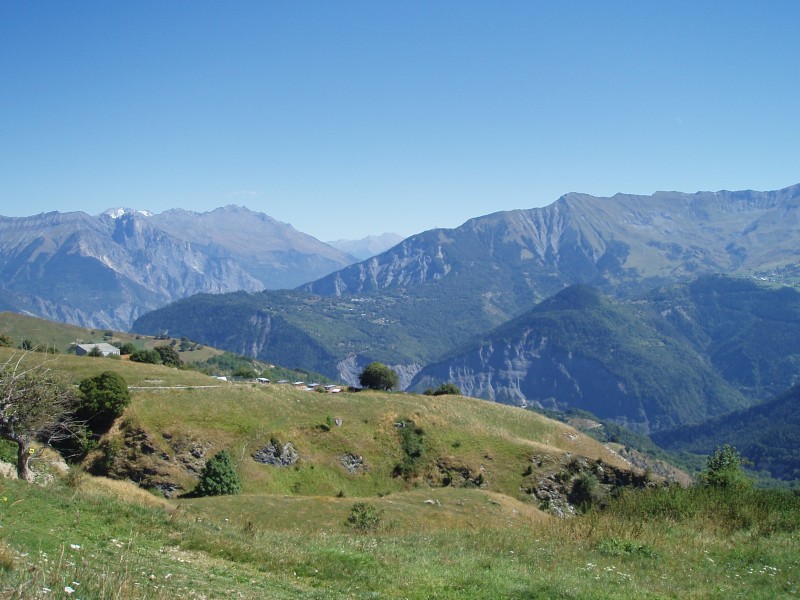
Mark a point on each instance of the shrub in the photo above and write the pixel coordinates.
(364, 517)
(724, 469)
(146, 356)
(447, 389)
(103, 399)
(127, 348)
(245, 372)
(587, 492)
(219, 477)
(413, 446)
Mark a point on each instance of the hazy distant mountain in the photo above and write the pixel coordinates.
(413, 304)
(369, 246)
(105, 271)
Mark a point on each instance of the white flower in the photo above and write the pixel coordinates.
(68, 589)
(75, 546)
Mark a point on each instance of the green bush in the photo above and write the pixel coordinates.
(724, 470)
(364, 517)
(447, 389)
(127, 348)
(146, 356)
(103, 399)
(587, 492)
(219, 477)
(169, 356)
(413, 446)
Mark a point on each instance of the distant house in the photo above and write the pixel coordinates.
(105, 349)
(262, 380)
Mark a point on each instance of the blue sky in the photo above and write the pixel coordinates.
(358, 117)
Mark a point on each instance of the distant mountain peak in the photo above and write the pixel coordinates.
(106, 270)
(369, 246)
(116, 213)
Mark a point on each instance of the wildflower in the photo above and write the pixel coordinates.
(75, 546)
(69, 589)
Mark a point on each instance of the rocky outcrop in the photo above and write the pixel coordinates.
(165, 464)
(277, 454)
(353, 463)
(576, 484)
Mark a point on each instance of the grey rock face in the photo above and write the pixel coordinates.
(277, 455)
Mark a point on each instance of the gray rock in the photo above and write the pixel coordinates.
(277, 455)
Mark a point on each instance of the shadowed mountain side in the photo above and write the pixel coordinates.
(580, 350)
(767, 435)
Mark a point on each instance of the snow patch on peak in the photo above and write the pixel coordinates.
(116, 213)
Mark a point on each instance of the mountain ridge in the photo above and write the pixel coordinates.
(105, 271)
(435, 291)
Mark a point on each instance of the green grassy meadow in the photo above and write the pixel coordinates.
(106, 540)
(287, 535)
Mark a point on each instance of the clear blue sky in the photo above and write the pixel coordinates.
(357, 117)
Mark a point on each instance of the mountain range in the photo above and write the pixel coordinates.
(658, 312)
(106, 270)
(651, 342)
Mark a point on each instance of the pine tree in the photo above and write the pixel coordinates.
(219, 477)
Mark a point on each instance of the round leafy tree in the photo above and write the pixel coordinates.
(218, 477)
(103, 398)
(378, 376)
(127, 348)
(169, 356)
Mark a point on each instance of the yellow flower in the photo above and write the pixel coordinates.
(32, 451)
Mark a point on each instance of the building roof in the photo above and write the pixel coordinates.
(102, 347)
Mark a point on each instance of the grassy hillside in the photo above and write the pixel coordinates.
(460, 522)
(461, 438)
(62, 336)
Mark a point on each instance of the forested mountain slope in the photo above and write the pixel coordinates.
(767, 435)
(581, 350)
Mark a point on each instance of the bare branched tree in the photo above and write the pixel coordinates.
(36, 404)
